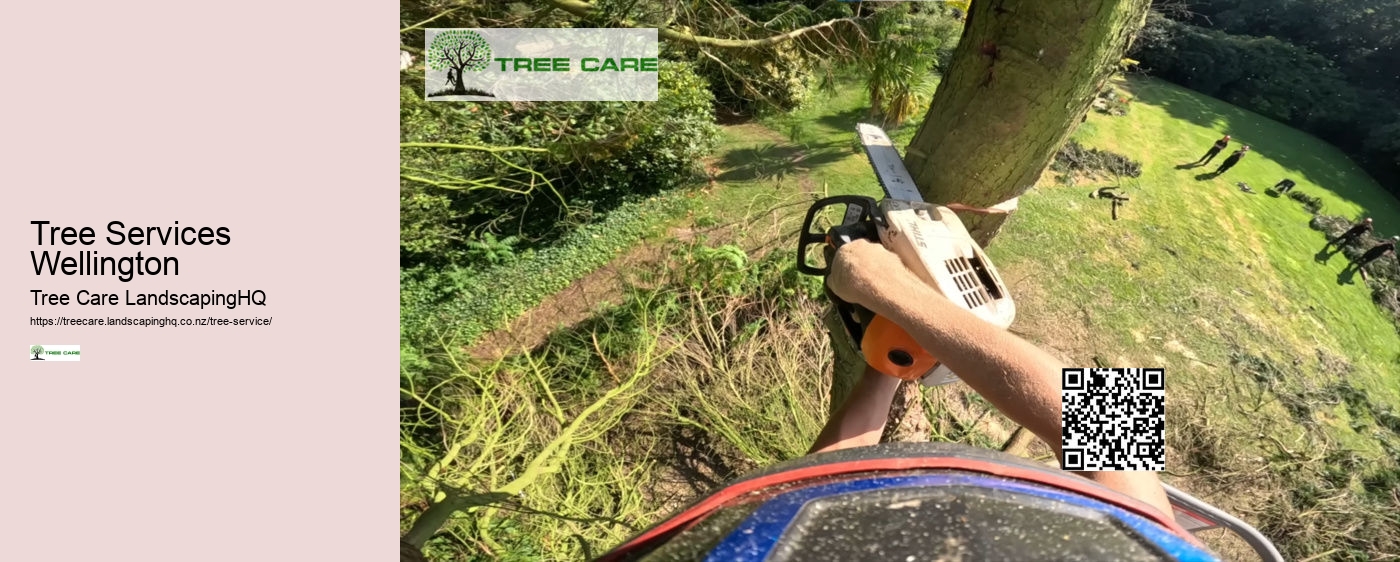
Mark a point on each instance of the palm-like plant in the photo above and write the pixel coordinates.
(903, 56)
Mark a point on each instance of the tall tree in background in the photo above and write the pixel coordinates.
(1021, 78)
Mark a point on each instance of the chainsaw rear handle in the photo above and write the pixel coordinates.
(886, 346)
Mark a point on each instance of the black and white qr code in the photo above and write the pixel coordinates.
(1113, 419)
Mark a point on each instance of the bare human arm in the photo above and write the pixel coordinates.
(1020, 379)
(861, 419)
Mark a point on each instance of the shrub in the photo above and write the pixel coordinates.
(461, 303)
(900, 68)
(756, 80)
(594, 155)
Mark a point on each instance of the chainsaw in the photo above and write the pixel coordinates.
(929, 239)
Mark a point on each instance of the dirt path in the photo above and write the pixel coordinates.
(756, 234)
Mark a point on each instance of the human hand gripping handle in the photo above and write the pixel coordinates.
(1020, 379)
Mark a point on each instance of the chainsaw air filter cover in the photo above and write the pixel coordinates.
(934, 244)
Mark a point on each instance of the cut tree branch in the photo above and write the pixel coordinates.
(584, 9)
(429, 20)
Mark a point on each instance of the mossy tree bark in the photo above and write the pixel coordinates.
(1021, 78)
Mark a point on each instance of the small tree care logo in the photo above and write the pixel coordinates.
(54, 353)
(458, 51)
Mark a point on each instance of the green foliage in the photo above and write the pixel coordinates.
(1264, 74)
(508, 450)
(754, 81)
(594, 154)
(461, 303)
(1280, 59)
(564, 451)
(488, 249)
(723, 268)
(899, 67)
(1358, 35)
(777, 78)
(1312, 204)
(460, 49)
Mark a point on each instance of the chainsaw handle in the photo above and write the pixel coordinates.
(886, 346)
(892, 351)
(860, 215)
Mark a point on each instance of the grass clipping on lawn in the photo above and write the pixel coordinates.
(559, 452)
(721, 365)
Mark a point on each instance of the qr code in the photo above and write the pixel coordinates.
(1113, 419)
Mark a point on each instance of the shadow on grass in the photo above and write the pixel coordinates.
(845, 120)
(694, 458)
(1303, 155)
(1348, 275)
(1323, 255)
(776, 161)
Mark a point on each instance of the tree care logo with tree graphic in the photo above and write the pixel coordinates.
(540, 64)
(54, 353)
(458, 51)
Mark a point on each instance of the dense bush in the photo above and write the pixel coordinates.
(752, 81)
(900, 68)
(1338, 94)
(585, 189)
(1267, 75)
(595, 155)
(747, 82)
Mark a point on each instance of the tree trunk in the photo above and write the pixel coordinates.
(1021, 78)
(459, 86)
(848, 365)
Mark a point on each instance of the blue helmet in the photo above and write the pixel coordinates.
(908, 502)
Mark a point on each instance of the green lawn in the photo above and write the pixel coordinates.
(1283, 380)
(1200, 262)
(1261, 340)
(1195, 274)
